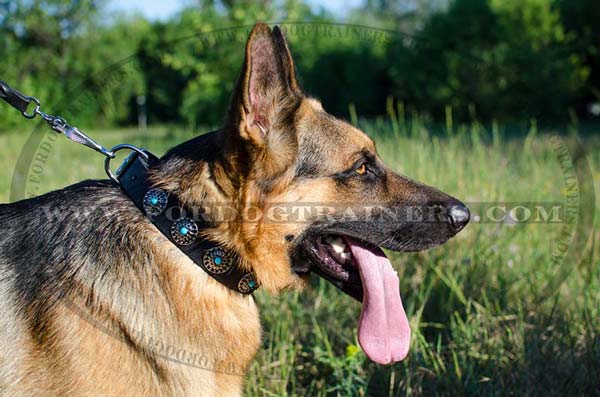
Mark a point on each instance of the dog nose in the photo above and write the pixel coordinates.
(459, 216)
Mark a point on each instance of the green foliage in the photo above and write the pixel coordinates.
(580, 19)
(58, 51)
(509, 60)
(192, 63)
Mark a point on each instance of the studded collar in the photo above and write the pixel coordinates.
(182, 226)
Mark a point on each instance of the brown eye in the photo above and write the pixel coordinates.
(361, 170)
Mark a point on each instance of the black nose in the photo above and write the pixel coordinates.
(459, 216)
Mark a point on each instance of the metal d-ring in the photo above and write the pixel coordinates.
(111, 156)
(35, 112)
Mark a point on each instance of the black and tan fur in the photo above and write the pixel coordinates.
(94, 301)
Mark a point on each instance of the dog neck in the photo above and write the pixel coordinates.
(214, 172)
(199, 172)
(183, 225)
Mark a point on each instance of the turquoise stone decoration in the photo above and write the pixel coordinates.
(248, 283)
(184, 231)
(155, 202)
(217, 261)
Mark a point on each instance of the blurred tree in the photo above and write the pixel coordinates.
(348, 74)
(35, 36)
(580, 19)
(62, 51)
(509, 59)
(192, 62)
(408, 16)
(504, 59)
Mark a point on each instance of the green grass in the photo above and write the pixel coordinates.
(480, 325)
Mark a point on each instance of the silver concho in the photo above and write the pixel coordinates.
(184, 231)
(217, 260)
(247, 284)
(155, 202)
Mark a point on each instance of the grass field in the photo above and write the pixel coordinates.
(482, 322)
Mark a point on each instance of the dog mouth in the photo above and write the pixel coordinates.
(333, 260)
(363, 271)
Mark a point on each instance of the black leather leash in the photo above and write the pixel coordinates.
(179, 224)
(16, 99)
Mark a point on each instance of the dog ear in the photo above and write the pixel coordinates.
(267, 88)
(288, 62)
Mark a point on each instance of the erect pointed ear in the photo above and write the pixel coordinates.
(267, 87)
(288, 62)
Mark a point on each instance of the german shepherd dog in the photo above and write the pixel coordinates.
(107, 305)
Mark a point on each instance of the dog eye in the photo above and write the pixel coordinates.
(362, 169)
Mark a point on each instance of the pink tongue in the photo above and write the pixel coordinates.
(383, 329)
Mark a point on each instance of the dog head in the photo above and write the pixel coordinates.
(321, 198)
(316, 179)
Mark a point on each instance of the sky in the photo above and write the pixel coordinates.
(162, 9)
(152, 9)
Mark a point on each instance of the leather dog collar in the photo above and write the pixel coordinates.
(181, 225)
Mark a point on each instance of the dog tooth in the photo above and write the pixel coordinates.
(338, 248)
(337, 243)
(346, 256)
